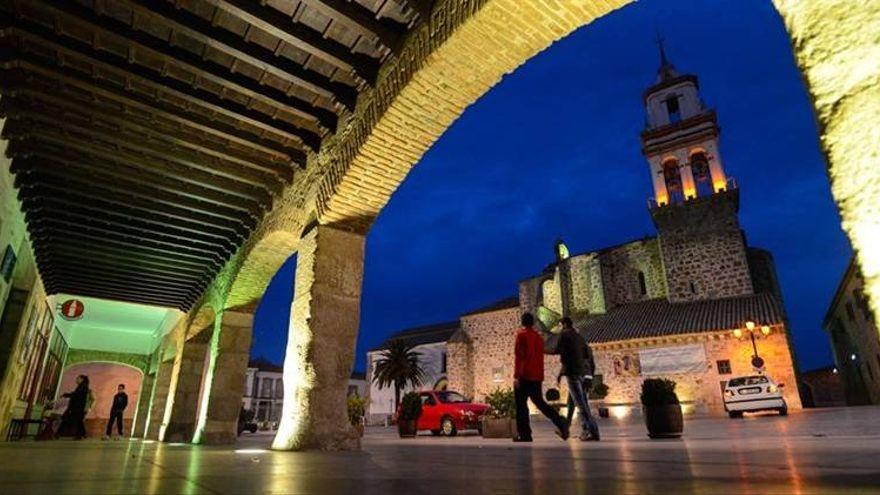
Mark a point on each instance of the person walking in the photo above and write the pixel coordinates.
(75, 414)
(120, 402)
(528, 376)
(578, 367)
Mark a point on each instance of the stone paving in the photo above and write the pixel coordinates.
(826, 451)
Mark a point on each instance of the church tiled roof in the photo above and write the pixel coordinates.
(506, 303)
(429, 334)
(659, 317)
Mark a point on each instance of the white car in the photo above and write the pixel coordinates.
(753, 393)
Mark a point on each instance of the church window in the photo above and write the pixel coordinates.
(723, 367)
(673, 109)
(850, 313)
(672, 178)
(702, 176)
(443, 363)
(693, 288)
(643, 288)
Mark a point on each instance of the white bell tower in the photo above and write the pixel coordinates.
(680, 139)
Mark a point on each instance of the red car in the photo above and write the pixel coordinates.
(446, 413)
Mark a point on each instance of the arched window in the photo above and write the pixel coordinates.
(701, 173)
(643, 287)
(672, 179)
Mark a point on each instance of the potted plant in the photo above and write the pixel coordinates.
(408, 415)
(598, 392)
(499, 420)
(661, 408)
(356, 410)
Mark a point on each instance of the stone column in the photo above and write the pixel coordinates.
(224, 384)
(320, 347)
(181, 412)
(160, 398)
(139, 425)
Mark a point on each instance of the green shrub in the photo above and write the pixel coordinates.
(658, 392)
(356, 409)
(410, 407)
(501, 403)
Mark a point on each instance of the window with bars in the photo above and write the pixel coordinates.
(36, 345)
(723, 367)
(52, 369)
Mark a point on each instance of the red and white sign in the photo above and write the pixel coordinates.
(72, 309)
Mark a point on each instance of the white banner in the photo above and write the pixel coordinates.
(672, 360)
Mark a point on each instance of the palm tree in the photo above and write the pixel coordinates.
(398, 366)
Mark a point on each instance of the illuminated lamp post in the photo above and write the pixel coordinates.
(752, 329)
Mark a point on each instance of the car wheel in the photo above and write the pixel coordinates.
(783, 411)
(436, 433)
(447, 426)
(253, 429)
(735, 414)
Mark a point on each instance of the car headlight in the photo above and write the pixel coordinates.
(728, 393)
(772, 389)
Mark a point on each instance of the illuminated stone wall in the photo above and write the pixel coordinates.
(620, 267)
(703, 390)
(460, 363)
(492, 336)
(704, 252)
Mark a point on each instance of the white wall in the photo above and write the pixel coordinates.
(382, 400)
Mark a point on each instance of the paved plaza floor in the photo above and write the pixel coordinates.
(828, 451)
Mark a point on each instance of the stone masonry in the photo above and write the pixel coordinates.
(703, 248)
(182, 410)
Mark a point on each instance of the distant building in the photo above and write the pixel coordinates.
(855, 341)
(430, 342)
(264, 391)
(357, 384)
(823, 387)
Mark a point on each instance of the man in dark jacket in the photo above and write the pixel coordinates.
(120, 402)
(577, 368)
(528, 375)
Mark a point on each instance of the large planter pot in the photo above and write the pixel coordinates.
(498, 428)
(406, 428)
(663, 421)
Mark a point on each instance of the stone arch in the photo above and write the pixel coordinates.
(201, 320)
(258, 268)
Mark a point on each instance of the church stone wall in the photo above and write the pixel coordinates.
(701, 392)
(459, 364)
(492, 337)
(620, 272)
(586, 284)
(703, 249)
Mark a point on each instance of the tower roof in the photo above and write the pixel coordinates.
(666, 71)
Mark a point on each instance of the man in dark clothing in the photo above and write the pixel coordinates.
(578, 367)
(528, 376)
(120, 402)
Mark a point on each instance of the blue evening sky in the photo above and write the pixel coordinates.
(553, 150)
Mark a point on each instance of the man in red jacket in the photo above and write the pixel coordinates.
(528, 375)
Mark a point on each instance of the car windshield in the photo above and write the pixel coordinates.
(451, 397)
(746, 380)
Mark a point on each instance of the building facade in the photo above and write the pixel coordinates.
(431, 344)
(855, 340)
(679, 305)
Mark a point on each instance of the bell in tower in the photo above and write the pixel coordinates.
(680, 139)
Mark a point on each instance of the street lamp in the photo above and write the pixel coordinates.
(752, 328)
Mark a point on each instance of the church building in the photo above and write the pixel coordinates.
(683, 304)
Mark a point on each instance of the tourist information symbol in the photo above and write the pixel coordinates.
(72, 309)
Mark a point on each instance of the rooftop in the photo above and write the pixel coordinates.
(428, 334)
(506, 303)
(660, 318)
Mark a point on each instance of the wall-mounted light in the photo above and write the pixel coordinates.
(765, 329)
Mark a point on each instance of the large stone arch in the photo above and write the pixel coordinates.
(467, 46)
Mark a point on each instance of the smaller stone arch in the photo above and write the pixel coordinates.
(201, 320)
(104, 377)
(260, 265)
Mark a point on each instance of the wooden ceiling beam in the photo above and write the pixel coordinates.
(359, 19)
(204, 68)
(107, 290)
(73, 212)
(299, 35)
(191, 224)
(68, 46)
(97, 198)
(75, 252)
(90, 272)
(102, 183)
(202, 30)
